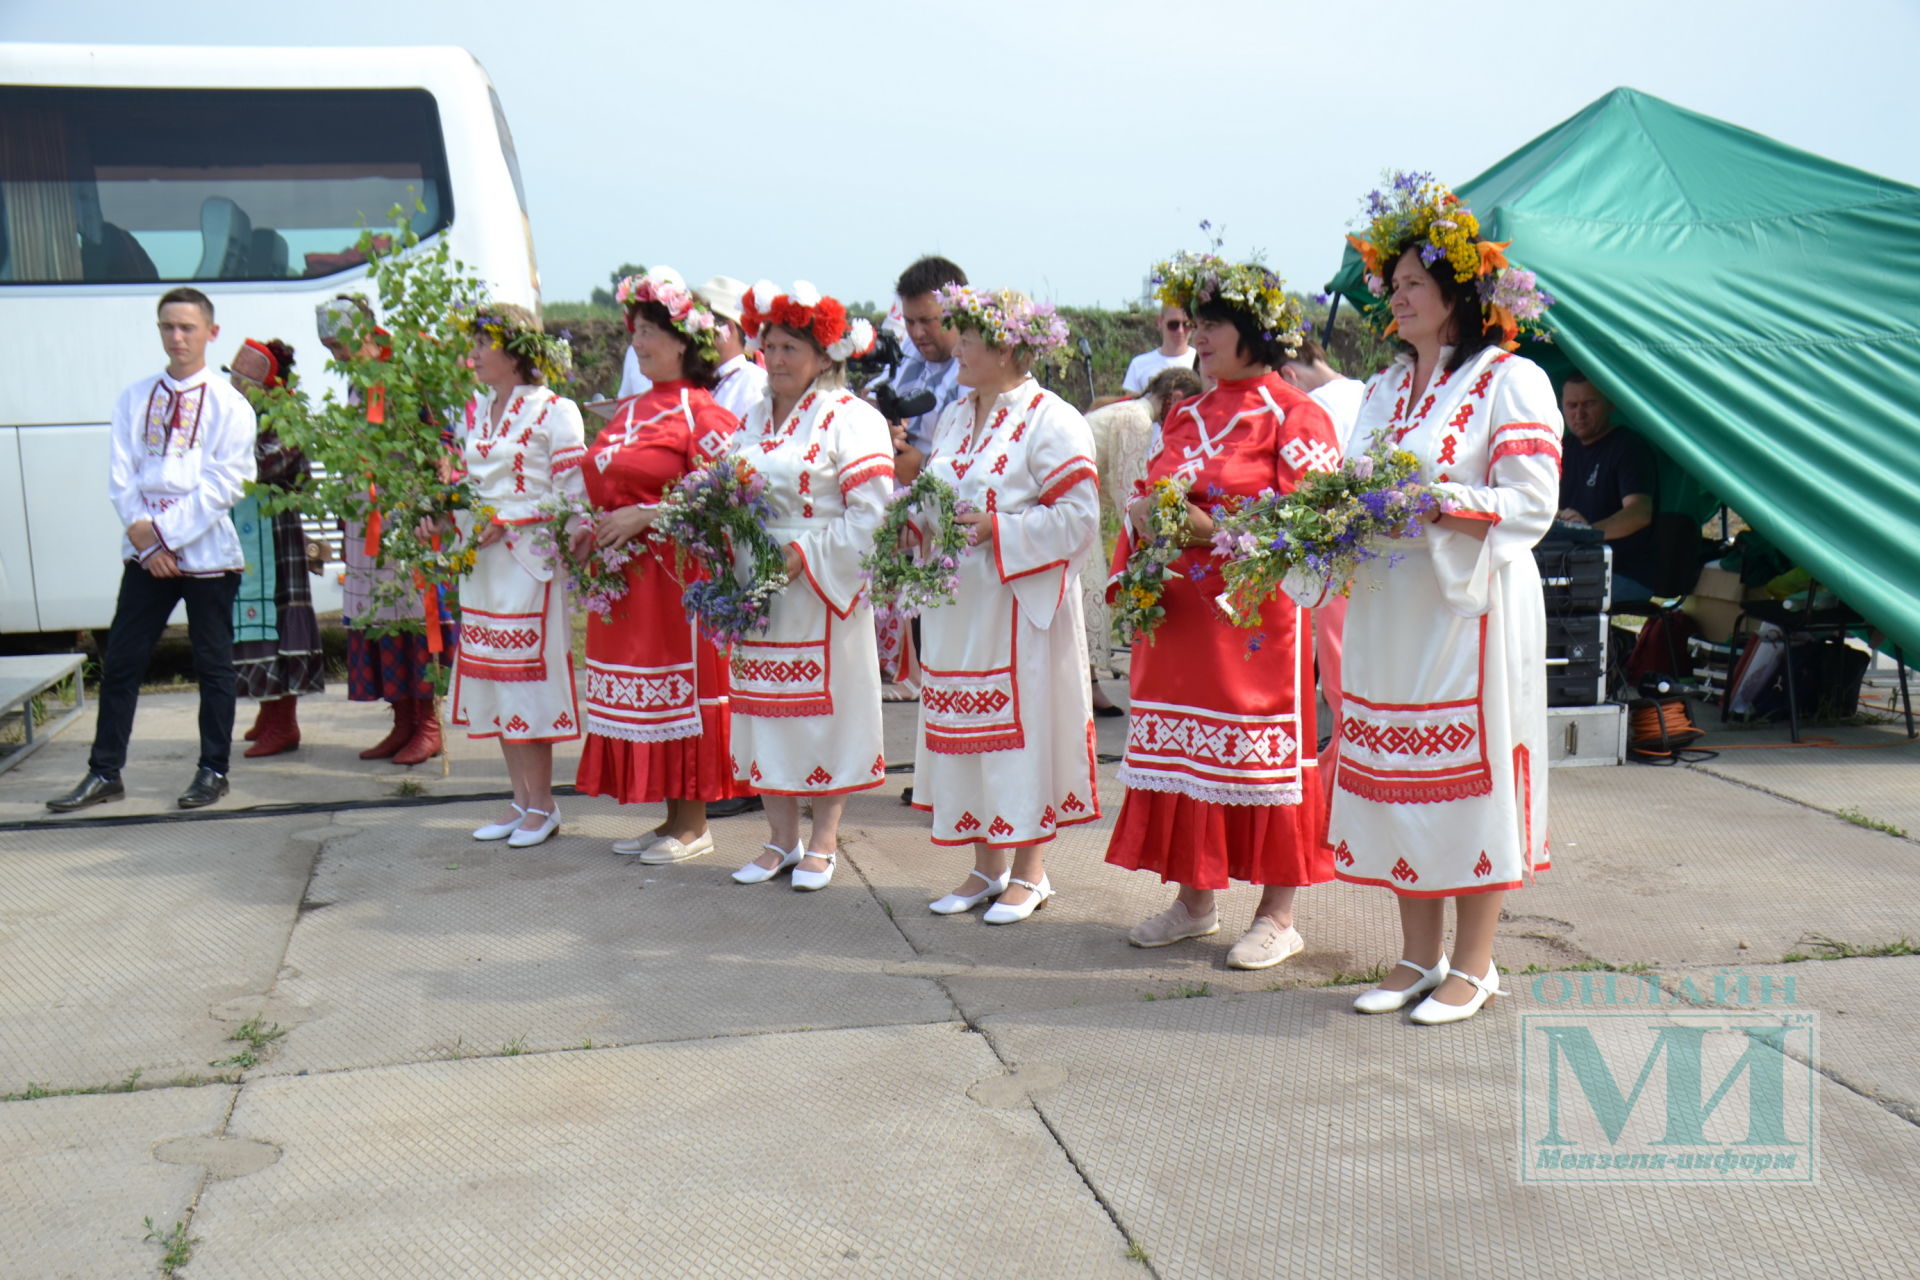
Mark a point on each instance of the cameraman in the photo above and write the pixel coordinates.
(930, 367)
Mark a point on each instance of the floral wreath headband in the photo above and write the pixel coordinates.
(1005, 318)
(691, 318)
(1413, 210)
(805, 309)
(547, 352)
(1190, 280)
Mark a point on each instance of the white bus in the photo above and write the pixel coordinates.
(246, 173)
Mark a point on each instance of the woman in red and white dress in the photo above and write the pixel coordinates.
(1005, 757)
(805, 694)
(1221, 768)
(513, 673)
(1440, 789)
(656, 687)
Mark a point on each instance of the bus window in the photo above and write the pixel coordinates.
(165, 185)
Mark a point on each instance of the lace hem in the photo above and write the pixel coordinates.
(1211, 793)
(744, 705)
(629, 733)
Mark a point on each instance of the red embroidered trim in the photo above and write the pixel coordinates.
(949, 746)
(1529, 445)
(504, 672)
(1083, 474)
(745, 704)
(1411, 793)
(866, 471)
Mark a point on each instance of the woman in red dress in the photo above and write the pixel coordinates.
(1220, 769)
(656, 688)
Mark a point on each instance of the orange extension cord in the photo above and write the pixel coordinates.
(1660, 730)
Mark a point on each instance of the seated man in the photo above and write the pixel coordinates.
(1608, 481)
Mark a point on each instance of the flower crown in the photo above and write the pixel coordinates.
(547, 352)
(1190, 280)
(1004, 318)
(1413, 210)
(690, 317)
(805, 309)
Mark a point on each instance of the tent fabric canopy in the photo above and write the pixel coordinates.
(1752, 310)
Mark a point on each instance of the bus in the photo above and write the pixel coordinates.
(247, 173)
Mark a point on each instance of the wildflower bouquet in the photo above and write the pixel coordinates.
(596, 580)
(899, 579)
(1310, 542)
(708, 514)
(1136, 607)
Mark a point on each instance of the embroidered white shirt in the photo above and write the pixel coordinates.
(181, 456)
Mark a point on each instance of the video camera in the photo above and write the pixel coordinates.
(885, 359)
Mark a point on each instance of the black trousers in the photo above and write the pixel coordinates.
(139, 617)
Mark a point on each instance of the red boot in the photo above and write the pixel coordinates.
(280, 730)
(398, 736)
(426, 743)
(259, 723)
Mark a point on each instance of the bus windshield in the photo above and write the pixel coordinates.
(116, 186)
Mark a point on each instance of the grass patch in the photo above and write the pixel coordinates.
(1591, 966)
(258, 1036)
(1182, 991)
(1825, 948)
(1137, 1252)
(514, 1047)
(1860, 819)
(34, 1092)
(408, 788)
(1341, 978)
(176, 1246)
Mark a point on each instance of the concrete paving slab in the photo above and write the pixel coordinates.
(419, 942)
(1873, 770)
(1866, 1037)
(1674, 867)
(131, 948)
(1281, 1134)
(78, 1176)
(846, 1153)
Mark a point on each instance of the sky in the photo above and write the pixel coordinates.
(1055, 146)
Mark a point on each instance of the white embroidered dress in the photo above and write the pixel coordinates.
(1441, 786)
(806, 692)
(513, 672)
(1005, 754)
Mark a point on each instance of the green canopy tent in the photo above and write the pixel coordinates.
(1753, 310)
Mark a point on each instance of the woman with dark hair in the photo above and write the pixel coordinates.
(513, 674)
(657, 723)
(276, 637)
(1441, 783)
(805, 694)
(1221, 774)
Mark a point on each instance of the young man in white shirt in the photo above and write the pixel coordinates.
(1174, 325)
(182, 453)
(742, 382)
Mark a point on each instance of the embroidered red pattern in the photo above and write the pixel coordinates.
(774, 671)
(1000, 465)
(517, 725)
(1409, 740)
(879, 764)
(1046, 817)
(1484, 867)
(754, 772)
(1447, 447)
(563, 721)
(500, 637)
(967, 823)
(1404, 873)
(819, 777)
(964, 702)
(1001, 827)
(1073, 804)
(1343, 855)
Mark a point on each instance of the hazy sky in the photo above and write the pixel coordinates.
(1058, 146)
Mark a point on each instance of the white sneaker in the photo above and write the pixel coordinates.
(667, 849)
(500, 830)
(1264, 945)
(639, 844)
(955, 903)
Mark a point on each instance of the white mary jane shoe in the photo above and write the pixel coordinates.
(1037, 895)
(955, 903)
(1381, 1000)
(500, 830)
(807, 881)
(527, 839)
(1431, 1013)
(668, 850)
(754, 873)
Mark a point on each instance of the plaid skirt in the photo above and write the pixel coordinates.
(292, 664)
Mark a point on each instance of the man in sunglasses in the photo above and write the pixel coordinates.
(1174, 325)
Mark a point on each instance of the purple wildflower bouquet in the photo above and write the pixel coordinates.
(1137, 610)
(1309, 543)
(914, 581)
(597, 580)
(706, 515)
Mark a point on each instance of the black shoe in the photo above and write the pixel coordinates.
(206, 787)
(93, 789)
(1111, 709)
(734, 808)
